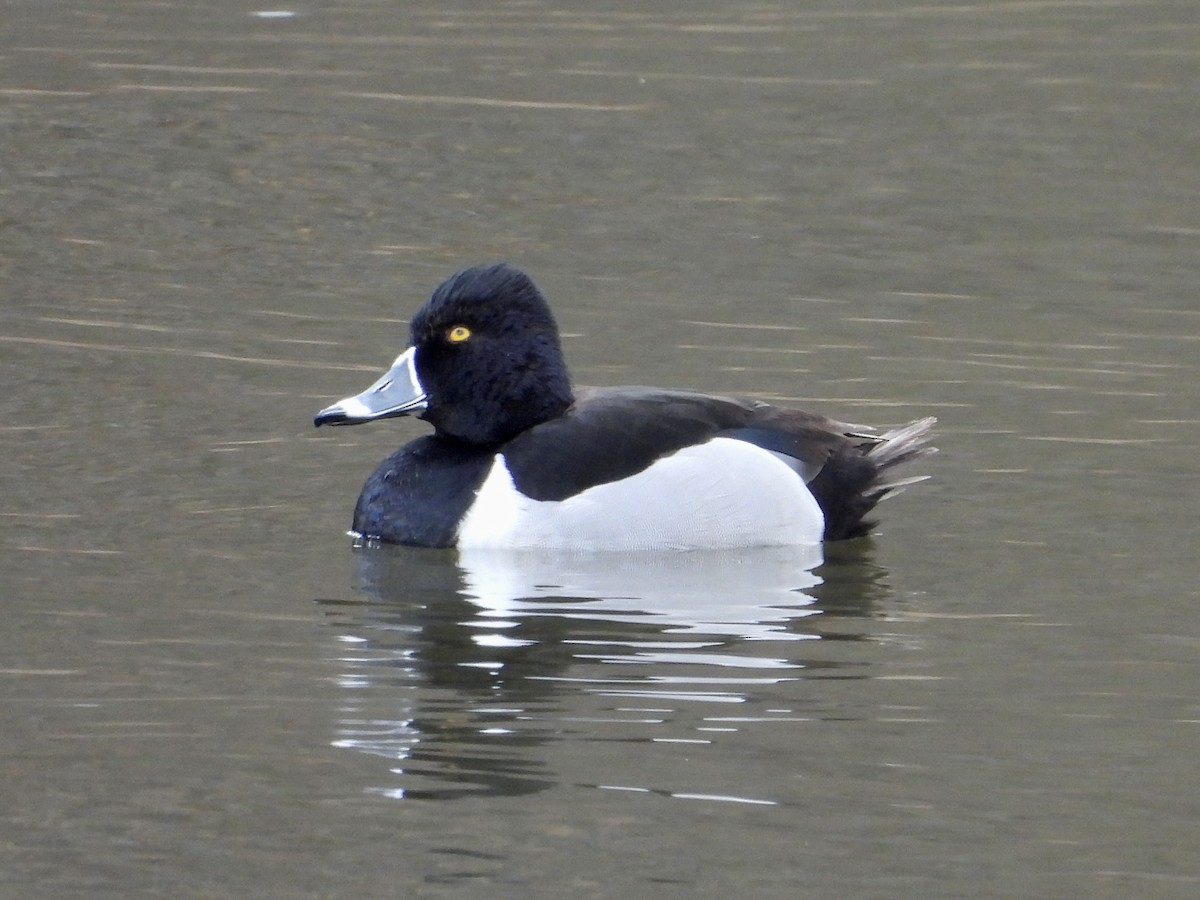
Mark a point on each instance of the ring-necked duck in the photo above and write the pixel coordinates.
(520, 460)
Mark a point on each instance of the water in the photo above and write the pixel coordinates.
(215, 222)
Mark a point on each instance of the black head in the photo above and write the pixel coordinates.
(488, 356)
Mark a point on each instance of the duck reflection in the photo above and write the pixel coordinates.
(458, 665)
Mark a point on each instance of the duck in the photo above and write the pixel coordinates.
(521, 460)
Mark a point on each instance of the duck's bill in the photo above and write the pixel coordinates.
(397, 393)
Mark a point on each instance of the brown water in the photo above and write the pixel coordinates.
(214, 222)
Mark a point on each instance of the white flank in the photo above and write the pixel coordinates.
(721, 494)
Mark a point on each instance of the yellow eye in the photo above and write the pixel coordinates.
(458, 334)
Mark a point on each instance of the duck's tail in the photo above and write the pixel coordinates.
(895, 448)
(863, 472)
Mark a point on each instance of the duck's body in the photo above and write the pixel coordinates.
(518, 461)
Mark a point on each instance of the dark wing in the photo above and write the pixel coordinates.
(613, 433)
(805, 441)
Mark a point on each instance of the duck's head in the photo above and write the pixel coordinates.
(483, 362)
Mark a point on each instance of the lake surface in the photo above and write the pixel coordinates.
(217, 219)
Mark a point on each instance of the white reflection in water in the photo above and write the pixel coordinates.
(463, 666)
(750, 594)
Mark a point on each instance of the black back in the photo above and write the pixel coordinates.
(614, 433)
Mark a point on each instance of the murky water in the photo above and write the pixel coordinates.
(214, 222)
